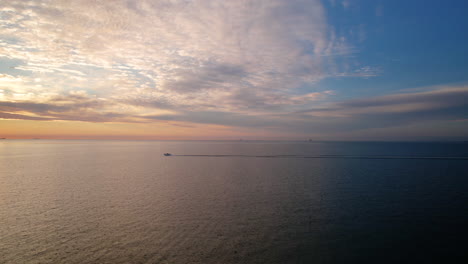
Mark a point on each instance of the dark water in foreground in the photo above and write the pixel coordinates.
(261, 202)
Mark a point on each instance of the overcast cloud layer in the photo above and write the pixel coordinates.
(235, 63)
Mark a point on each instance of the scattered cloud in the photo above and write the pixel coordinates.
(441, 103)
(202, 54)
(246, 63)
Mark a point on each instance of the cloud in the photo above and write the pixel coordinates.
(395, 111)
(246, 63)
(22, 117)
(206, 54)
(440, 103)
(77, 105)
(355, 118)
(213, 76)
(435, 99)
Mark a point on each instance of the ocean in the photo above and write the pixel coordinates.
(92, 201)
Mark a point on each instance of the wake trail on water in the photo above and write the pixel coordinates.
(330, 157)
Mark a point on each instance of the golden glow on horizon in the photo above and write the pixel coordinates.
(24, 129)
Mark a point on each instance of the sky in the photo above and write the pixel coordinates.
(245, 69)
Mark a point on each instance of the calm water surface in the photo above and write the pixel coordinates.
(261, 202)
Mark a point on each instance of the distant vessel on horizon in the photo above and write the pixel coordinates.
(167, 154)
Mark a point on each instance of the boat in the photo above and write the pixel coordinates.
(167, 154)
